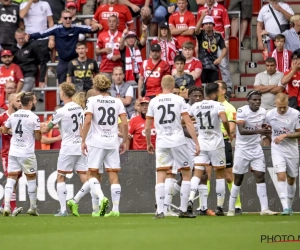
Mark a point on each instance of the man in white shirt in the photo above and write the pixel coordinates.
(24, 126)
(101, 116)
(250, 122)
(285, 124)
(171, 151)
(37, 16)
(70, 158)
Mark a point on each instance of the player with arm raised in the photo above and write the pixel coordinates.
(250, 122)
(285, 123)
(101, 116)
(167, 109)
(208, 114)
(70, 158)
(25, 129)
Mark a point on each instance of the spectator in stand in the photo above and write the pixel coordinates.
(108, 47)
(112, 8)
(66, 38)
(57, 6)
(183, 80)
(192, 66)
(52, 139)
(291, 81)
(10, 71)
(88, 8)
(136, 128)
(267, 83)
(222, 25)
(169, 45)
(182, 24)
(245, 7)
(282, 56)
(266, 19)
(10, 21)
(72, 7)
(10, 88)
(122, 90)
(292, 40)
(151, 73)
(26, 55)
(130, 50)
(37, 15)
(164, 10)
(82, 69)
(137, 108)
(208, 43)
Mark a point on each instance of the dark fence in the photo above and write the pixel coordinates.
(137, 179)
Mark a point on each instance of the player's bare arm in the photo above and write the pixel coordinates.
(85, 131)
(45, 128)
(226, 125)
(37, 135)
(124, 126)
(280, 138)
(286, 78)
(191, 129)
(5, 130)
(243, 131)
(199, 23)
(148, 124)
(140, 84)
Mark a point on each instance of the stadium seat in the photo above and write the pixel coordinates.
(50, 100)
(256, 7)
(234, 53)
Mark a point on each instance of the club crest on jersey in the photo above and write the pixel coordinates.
(288, 121)
(181, 19)
(111, 8)
(215, 12)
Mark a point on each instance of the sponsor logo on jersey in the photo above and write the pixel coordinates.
(106, 15)
(3, 80)
(295, 83)
(181, 26)
(112, 45)
(153, 132)
(8, 18)
(154, 74)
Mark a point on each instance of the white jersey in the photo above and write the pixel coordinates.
(89, 135)
(253, 121)
(105, 110)
(166, 109)
(22, 123)
(68, 119)
(284, 124)
(207, 114)
(190, 141)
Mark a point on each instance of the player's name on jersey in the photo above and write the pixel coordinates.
(253, 128)
(165, 100)
(75, 108)
(106, 101)
(206, 106)
(280, 132)
(21, 115)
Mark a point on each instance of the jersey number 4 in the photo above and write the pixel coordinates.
(207, 115)
(110, 119)
(166, 111)
(19, 128)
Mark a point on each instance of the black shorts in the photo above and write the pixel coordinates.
(228, 154)
(209, 75)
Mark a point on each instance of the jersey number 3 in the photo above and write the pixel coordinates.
(75, 121)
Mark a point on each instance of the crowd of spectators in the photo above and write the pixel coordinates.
(192, 48)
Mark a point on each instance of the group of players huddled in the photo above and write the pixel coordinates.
(192, 137)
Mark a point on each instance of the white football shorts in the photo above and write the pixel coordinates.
(18, 164)
(70, 163)
(215, 158)
(285, 164)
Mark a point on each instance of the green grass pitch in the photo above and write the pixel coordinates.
(131, 232)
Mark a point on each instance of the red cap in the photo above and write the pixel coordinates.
(145, 99)
(71, 4)
(6, 53)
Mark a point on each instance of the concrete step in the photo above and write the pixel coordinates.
(247, 79)
(254, 20)
(254, 43)
(260, 67)
(295, 5)
(238, 102)
(256, 55)
(236, 79)
(243, 93)
(233, 67)
(247, 43)
(245, 55)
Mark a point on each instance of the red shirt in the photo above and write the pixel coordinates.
(192, 66)
(5, 138)
(186, 20)
(138, 2)
(220, 15)
(137, 131)
(107, 65)
(57, 144)
(153, 85)
(280, 62)
(103, 12)
(293, 85)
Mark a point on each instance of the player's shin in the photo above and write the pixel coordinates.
(96, 188)
(32, 192)
(220, 190)
(235, 191)
(62, 195)
(194, 186)
(291, 191)
(176, 189)
(82, 192)
(13, 202)
(160, 196)
(282, 190)
(262, 195)
(184, 195)
(95, 202)
(203, 194)
(115, 196)
(9, 188)
(169, 190)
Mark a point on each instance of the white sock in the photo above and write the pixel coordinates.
(176, 189)
(82, 192)
(282, 192)
(9, 189)
(160, 196)
(184, 194)
(203, 193)
(95, 202)
(262, 195)
(115, 190)
(291, 191)
(235, 190)
(96, 188)
(169, 186)
(32, 192)
(194, 186)
(62, 195)
(13, 197)
(220, 190)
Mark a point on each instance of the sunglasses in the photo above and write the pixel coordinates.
(68, 18)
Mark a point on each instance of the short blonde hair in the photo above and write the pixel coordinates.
(68, 89)
(281, 97)
(79, 98)
(295, 18)
(101, 83)
(168, 82)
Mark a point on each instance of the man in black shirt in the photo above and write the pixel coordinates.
(208, 43)
(82, 69)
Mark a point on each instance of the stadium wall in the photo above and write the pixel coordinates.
(137, 179)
